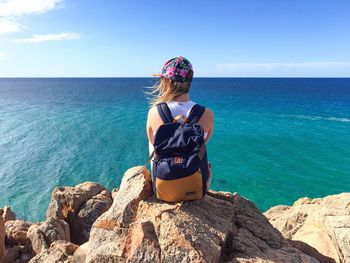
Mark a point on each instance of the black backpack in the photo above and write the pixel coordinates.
(180, 165)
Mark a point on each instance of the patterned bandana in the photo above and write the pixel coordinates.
(177, 69)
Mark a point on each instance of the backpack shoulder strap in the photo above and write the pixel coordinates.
(164, 112)
(195, 114)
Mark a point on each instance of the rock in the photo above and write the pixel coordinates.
(80, 254)
(59, 252)
(2, 235)
(87, 215)
(16, 242)
(17, 254)
(43, 235)
(221, 227)
(12, 254)
(114, 192)
(67, 200)
(16, 232)
(8, 214)
(79, 206)
(320, 227)
(25, 257)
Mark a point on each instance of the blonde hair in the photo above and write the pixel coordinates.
(167, 90)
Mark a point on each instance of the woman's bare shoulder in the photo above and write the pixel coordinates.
(208, 114)
(153, 117)
(152, 111)
(207, 119)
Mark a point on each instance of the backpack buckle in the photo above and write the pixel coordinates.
(178, 159)
(178, 117)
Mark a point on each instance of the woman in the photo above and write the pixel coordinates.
(173, 89)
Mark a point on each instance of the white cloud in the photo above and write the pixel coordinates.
(315, 68)
(314, 65)
(49, 37)
(26, 7)
(12, 10)
(8, 25)
(2, 56)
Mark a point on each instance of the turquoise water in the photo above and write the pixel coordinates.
(275, 140)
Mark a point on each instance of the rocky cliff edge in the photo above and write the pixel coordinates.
(87, 223)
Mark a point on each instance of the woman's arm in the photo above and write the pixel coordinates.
(153, 123)
(149, 129)
(207, 122)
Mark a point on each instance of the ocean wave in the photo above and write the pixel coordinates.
(320, 118)
(301, 116)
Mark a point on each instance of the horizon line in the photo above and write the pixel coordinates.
(151, 77)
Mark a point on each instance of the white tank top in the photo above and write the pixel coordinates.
(180, 108)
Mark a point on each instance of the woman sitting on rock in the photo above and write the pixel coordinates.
(178, 130)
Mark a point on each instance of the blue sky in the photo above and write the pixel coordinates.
(228, 38)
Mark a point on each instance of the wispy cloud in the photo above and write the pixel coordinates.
(12, 10)
(8, 25)
(314, 65)
(283, 69)
(2, 56)
(48, 37)
(26, 7)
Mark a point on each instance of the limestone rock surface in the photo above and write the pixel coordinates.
(59, 252)
(131, 225)
(2, 236)
(8, 214)
(79, 206)
(319, 227)
(14, 244)
(16, 232)
(221, 227)
(44, 234)
(114, 192)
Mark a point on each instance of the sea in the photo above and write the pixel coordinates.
(275, 139)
